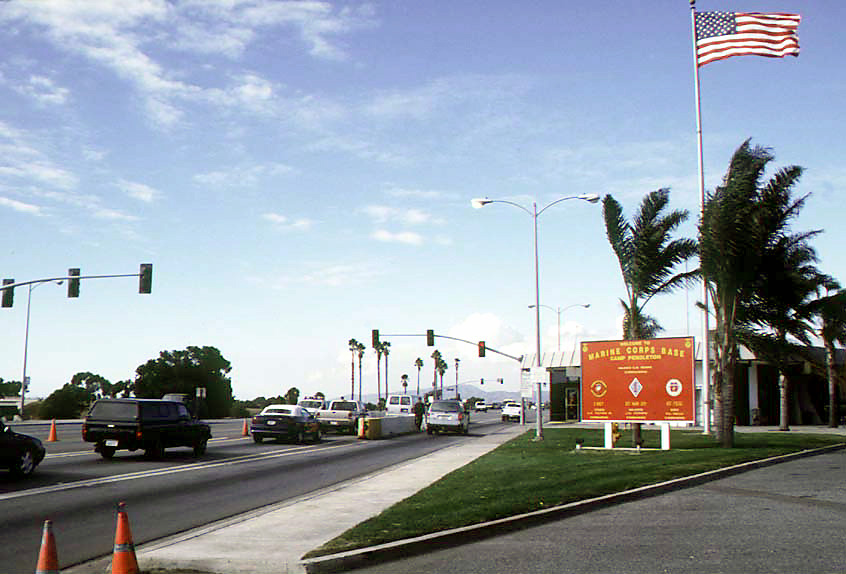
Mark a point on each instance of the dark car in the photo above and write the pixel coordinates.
(285, 422)
(149, 424)
(19, 453)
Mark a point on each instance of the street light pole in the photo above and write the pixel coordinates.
(478, 203)
(457, 360)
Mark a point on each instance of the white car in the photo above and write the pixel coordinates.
(511, 411)
(447, 416)
(481, 406)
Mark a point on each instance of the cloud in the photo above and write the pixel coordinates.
(242, 176)
(283, 222)
(20, 206)
(139, 191)
(407, 237)
(383, 213)
(116, 35)
(43, 91)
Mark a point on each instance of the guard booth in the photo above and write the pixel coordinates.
(564, 394)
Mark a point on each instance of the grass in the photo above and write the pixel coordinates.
(522, 475)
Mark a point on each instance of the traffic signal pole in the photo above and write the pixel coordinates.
(73, 277)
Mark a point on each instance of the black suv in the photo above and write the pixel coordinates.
(149, 424)
(19, 453)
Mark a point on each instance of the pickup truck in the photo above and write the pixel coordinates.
(341, 415)
(149, 424)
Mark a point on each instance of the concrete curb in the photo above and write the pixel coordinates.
(457, 536)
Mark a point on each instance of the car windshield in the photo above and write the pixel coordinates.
(343, 406)
(446, 407)
(113, 410)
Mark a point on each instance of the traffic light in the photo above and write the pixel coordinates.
(375, 339)
(8, 294)
(430, 338)
(481, 381)
(481, 348)
(73, 284)
(145, 279)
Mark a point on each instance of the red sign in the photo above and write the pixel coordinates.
(638, 381)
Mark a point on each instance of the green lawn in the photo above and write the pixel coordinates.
(523, 475)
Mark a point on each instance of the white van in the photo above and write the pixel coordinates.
(401, 404)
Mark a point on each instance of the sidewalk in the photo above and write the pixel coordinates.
(274, 538)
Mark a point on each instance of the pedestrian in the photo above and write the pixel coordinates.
(419, 409)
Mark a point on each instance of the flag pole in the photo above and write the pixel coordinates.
(706, 376)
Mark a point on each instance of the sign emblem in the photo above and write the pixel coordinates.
(674, 387)
(635, 387)
(598, 389)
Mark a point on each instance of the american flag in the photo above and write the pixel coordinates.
(721, 35)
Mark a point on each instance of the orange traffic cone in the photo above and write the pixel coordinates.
(48, 561)
(52, 437)
(246, 431)
(123, 558)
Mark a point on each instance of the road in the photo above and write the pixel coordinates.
(78, 490)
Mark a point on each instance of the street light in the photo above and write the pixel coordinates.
(26, 336)
(559, 310)
(478, 203)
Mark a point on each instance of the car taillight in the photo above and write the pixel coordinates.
(84, 431)
(139, 434)
(460, 416)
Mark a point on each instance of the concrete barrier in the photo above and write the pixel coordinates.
(387, 426)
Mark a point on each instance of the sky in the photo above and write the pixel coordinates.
(300, 173)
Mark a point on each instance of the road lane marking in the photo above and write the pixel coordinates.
(243, 459)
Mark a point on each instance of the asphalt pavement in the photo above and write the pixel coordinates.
(274, 538)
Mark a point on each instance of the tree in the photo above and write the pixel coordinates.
(292, 396)
(779, 311)
(442, 368)
(437, 359)
(831, 311)
(378, 348)
(69, 402)
(648, 257)
(353, 349)
(419, 364)
(9, 388)
(741, 220)
(360, 350)
(184, 372)
(386, 350)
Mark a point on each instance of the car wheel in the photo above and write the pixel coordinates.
(107, 452)
(25, 465)
(257, 439)
(200, 447)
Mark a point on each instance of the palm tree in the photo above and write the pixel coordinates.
(780, 307)
(437, 358)
(378, 348)
(831, 311)
(741, 220)
(386, 349)
(419, 364)
(442, 368)
(360, 349)
(353, 349)
(647, 256)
